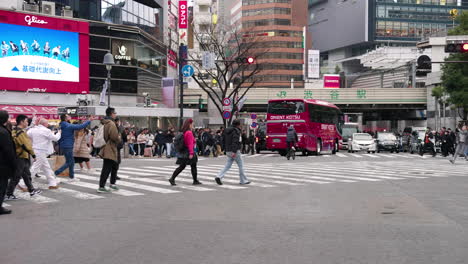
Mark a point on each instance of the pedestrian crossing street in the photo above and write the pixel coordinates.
(146, 180)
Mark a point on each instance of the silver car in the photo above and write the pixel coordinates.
(362, 141)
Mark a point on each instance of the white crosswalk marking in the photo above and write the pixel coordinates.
(6, 205)
(95, 186)
(371, 155)
(356, 155)
(341, 155)
(73, 193)
(38, 198)
(387, 156)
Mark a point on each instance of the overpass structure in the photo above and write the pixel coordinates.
(389, 106)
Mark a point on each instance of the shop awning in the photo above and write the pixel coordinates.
(48, 112)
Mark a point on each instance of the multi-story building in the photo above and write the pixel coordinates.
(281, 25)
(344, 29)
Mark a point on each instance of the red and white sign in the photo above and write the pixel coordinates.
(12, 81)
(48, 112)
(331, 81)
(183, 14)
(172, 58)
(226, 101)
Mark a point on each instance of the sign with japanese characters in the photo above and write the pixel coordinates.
(313, 64)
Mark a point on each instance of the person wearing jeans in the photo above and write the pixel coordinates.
(462, 144)
(232, 139)
(66, 143)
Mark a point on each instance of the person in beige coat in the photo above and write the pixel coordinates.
(109, 152)
(81, 152)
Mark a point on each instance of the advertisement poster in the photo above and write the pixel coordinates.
(313, 64)
(39, 53)
(331, 81)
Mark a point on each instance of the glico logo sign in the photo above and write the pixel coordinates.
(34, 20)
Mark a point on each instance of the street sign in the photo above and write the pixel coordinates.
(226, 101)
(208, 60)
(227, 114)
(188, 70)
(253, 116)
(253, 125)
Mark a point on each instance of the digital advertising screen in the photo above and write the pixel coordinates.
(38, 53)
(43, 54)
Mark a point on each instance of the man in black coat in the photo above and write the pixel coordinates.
(7, 158)
(232, 139)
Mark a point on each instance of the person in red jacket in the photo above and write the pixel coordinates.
(187, 156)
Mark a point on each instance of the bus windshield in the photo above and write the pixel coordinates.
(286, 108)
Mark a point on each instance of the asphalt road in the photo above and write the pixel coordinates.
(382, 208)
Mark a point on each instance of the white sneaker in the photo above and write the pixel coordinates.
(90, 171)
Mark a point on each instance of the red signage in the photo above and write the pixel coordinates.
(44, 63)
(172, 58)
(183, 14)
(48, 112)
(331, 81)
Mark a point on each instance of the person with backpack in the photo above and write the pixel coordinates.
(66, 144)
(109, 152)
(7, 158)
(232, 139)
(185, 144)
(24, 152)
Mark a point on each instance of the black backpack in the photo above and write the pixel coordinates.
(179, 143)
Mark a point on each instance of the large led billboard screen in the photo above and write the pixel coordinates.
(43, 54)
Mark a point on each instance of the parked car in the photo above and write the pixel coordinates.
(362, 141)
(387, 141)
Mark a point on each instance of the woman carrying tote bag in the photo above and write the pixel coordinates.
(184, 144)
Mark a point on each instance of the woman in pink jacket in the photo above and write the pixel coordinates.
(188, 155)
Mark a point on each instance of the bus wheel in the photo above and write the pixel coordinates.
(335, 148)
(319, 147)
(305, 153)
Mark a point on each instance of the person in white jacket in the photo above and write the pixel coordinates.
(42, 139)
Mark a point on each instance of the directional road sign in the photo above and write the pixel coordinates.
(188, 70)
(253, 125)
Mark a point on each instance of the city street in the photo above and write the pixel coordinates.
(345, 208)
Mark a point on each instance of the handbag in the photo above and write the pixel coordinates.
(59, 160)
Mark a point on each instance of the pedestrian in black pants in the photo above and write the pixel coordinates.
(185, 145)
(109, 153)
(7, 158)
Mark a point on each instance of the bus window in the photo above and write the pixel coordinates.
(286, 108)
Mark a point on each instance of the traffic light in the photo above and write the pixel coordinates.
(201, 106)
(456, 48)
(424, 63)
(245, 60)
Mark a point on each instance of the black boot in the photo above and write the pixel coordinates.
(3, 211)
(172, 181)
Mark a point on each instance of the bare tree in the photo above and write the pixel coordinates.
(233, 80)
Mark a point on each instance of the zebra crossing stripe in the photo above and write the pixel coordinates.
(388, 156)
(184, 175)
(38, 198)
(250, 175)
(356, 155)
(73, 193)
(297, 177)
(326, 156)
(94, 186)
(341, 155)
(136, 186)
(372, 156)
(346, 170)
(254, 183)
(160, 182)
(6, 205)
(255, 155)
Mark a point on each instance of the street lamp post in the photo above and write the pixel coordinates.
(109, 62)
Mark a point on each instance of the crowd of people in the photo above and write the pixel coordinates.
(26, 147)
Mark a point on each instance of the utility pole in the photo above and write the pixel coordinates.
(183, 55)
